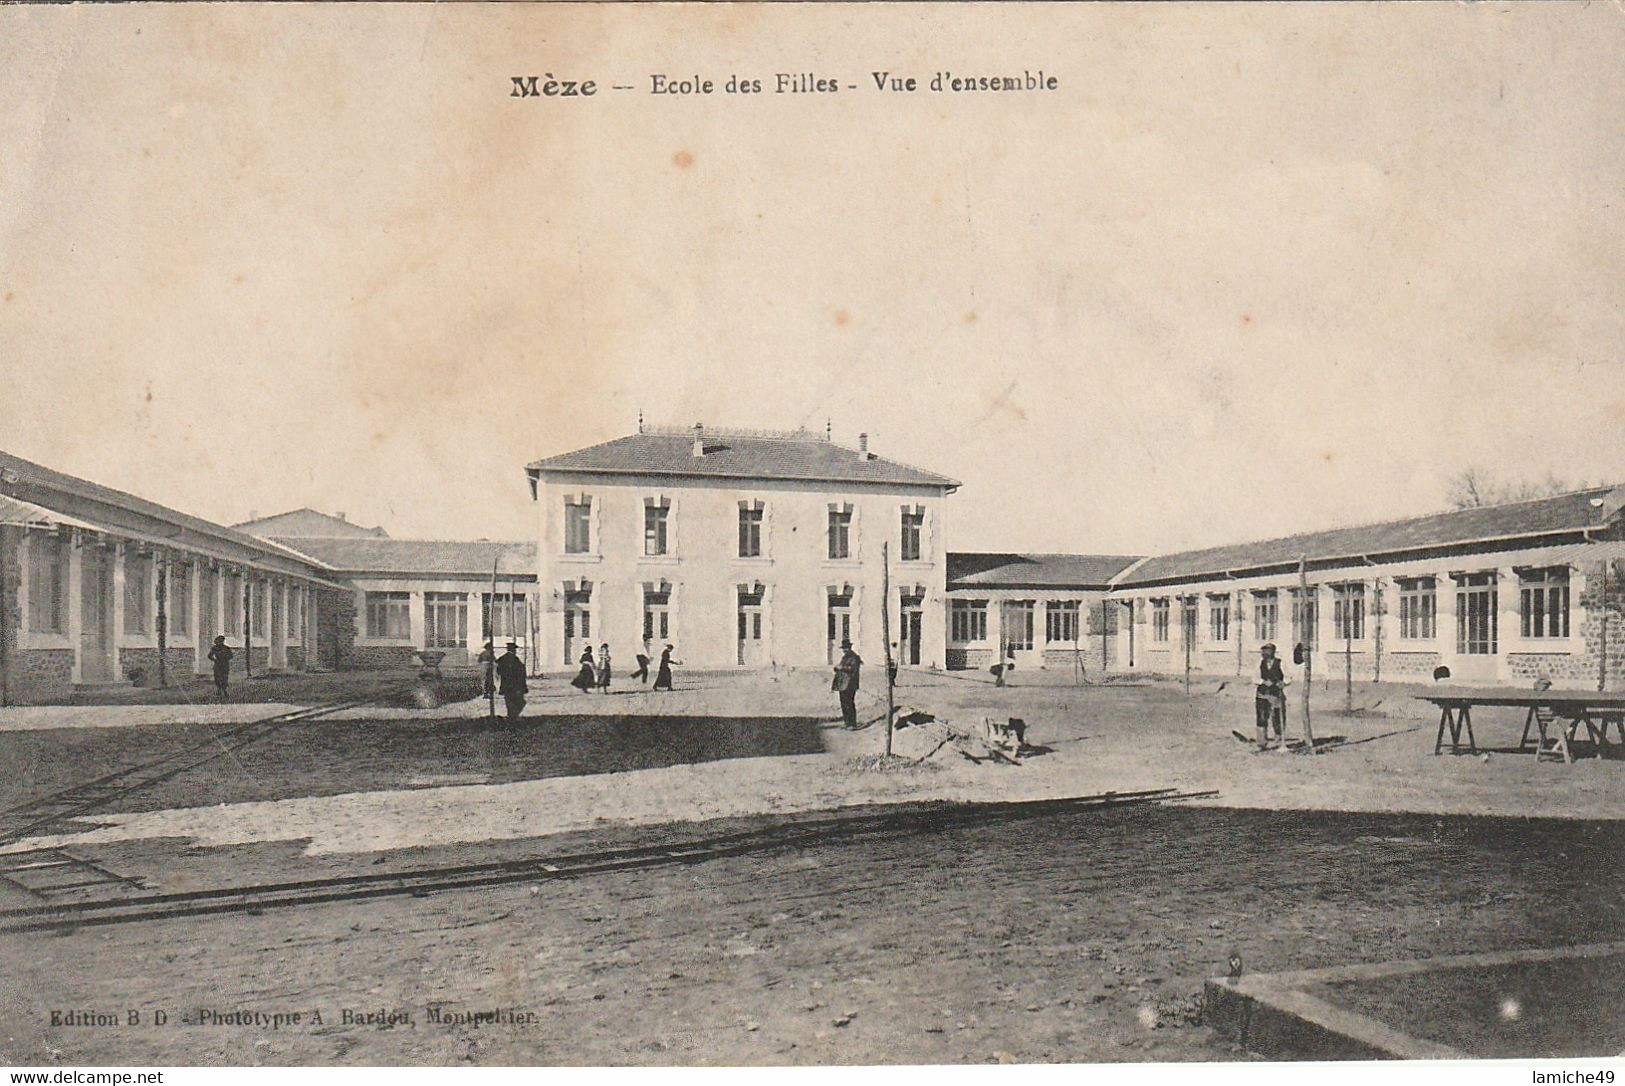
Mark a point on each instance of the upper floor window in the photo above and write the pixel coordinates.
(750, 529)
(1543, 602)
(578, 525)
(656, 518)
(1418, 608)
(47, 583)
(840, 531)
(913, 531)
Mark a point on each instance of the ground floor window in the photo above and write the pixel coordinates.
(967, 620)
(1218, 618)
(1418, 609)
(257, 595)
(138, 593)
(1018, 625)
(1159, 620)
(1305, 619)
(1476, 619)
(296, 612)
(1543, 602)
(1266, 615)
(838, 622)
(389, 614)
(656, 615)
(508, 618)
(445, 620)
(1187, 619)
(233, 605)
(178, 611)
(1061, 621)
(1348, 612)
(47, 583)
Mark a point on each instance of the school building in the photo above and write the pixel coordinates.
(743, 548)
(1504, 594)
(101, 587)
(1038, 610)
(407, 595)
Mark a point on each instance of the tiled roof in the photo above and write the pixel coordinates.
(26, 476)
(1554, 516)
(306, 522)
(362, 555)
(733, 456)
(1035, 570)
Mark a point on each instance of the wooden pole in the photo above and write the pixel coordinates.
(1376, 616)
(1307, 622)
(1187, 634)
(248, 623)
(491, 640)
(885, 626)
(1602, 632)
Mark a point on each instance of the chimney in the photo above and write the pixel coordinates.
(699, 440)
(339, 514)
(863, 444)
(253, 514)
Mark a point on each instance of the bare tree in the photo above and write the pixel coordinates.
(1473, 486)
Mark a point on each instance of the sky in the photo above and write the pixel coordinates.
(1247, 270)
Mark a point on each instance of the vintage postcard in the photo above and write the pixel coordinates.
(811, 534)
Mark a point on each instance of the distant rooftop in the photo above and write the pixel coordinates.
(1536, 520)
(1080, 571)
(306, 522)
(801, 455)
(374, 556)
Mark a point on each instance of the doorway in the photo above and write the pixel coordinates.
(749, 627)
(913, 622)
(95, 614)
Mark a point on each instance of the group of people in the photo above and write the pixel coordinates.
(595, 674)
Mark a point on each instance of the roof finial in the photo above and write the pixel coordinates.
(640, 420)
(829, 430)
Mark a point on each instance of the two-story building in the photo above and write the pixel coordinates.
(742, 548)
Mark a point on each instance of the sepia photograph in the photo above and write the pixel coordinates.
(820, 535)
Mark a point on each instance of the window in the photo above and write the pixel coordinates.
(1543, 602)
(578, 525)
(839, 619)
(208, 624)
(509, 618)
(138, 594)
(1266, 615)
(445, 620)
(1218, 618)
(296, 612)
(1348, 612)
(1306, 620)
(1418, 609)
(840, 531)
(655, 517)
(750, 529)
(234, 605)
(1018, 625)
(47, 583)
(1187, 619)
(1061, 621)
(389, 614)
(259, 590)
(968, 620)
(1476, 620)
(178, 611)
(913, 530)
(657, 614)
(1159, 620)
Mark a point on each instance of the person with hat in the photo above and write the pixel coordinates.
(846, 683)
(1269, 703)
(663, 676)
(221, 655)
(511, 681)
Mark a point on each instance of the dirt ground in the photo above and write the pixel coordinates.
(1077, 937)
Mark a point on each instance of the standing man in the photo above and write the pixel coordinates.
(846, 683)
(220, 655)
(1269, 703)
(511, 676)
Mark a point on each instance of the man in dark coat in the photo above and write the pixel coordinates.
(663, 676)
(846, 683)
(511, 680)
(221, 655)
(1269, 702)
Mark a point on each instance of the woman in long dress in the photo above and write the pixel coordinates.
(587, 677)
(663, 676)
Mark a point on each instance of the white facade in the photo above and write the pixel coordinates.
(722, 609)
